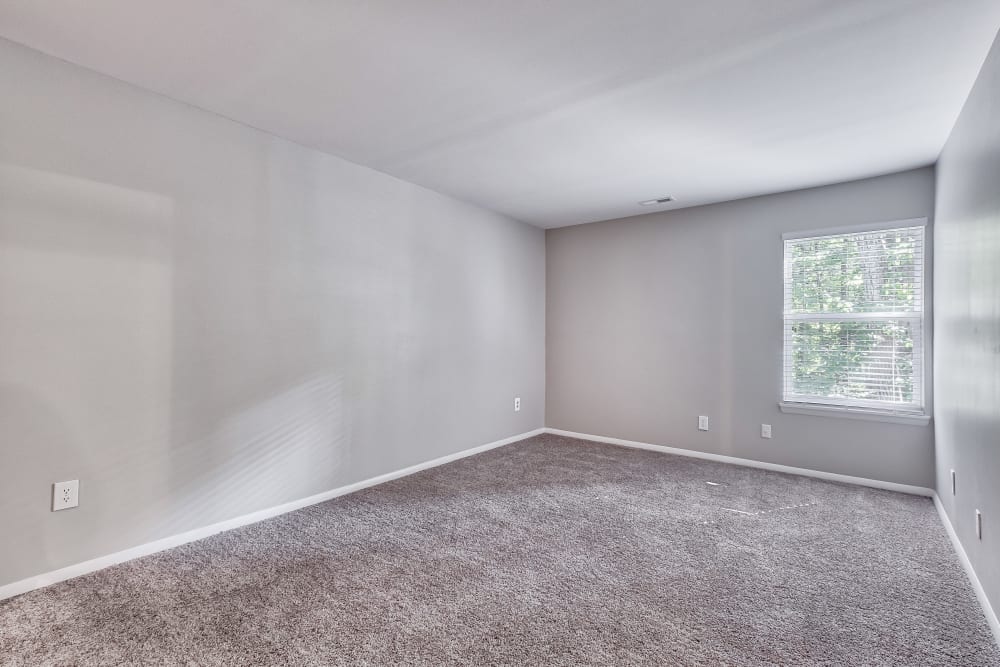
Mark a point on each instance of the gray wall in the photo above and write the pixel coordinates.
(654, 320)
(967, 324)
(199, 320)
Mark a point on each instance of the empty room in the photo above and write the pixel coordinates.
(468, 332)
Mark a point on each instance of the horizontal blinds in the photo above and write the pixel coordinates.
(866, 272)
(854, 319)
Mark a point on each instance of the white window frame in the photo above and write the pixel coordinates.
(915, 413)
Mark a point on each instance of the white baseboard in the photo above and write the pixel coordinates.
(62, 574)
(963, 557)
(750, 463)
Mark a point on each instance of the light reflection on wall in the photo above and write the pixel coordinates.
(280, 448)
(85, 343)
(89, 356)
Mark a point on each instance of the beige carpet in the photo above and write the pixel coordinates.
(549, 551)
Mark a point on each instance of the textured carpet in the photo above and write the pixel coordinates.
(551, 551)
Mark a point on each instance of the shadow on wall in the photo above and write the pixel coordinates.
(111, 341)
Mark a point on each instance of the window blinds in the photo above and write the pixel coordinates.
(853, 319)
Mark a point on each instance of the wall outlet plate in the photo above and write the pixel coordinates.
(65, 495)
(702, 423)
(517, 404)
(765, 430)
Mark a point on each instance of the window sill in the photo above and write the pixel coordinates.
(854, 413)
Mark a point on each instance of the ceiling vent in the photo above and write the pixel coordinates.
(654, 202)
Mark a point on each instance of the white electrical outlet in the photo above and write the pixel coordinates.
(979, 524)
(765, 430)
(517, 404)
(702, 423)
(65, 495)
(953, 485)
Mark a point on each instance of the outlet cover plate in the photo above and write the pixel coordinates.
(65, 495)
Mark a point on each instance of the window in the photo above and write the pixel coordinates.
(854, 320)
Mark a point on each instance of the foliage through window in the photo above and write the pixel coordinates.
(854, 319)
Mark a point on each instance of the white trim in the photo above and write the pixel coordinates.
(984, 602)
(849, 412)
(55, 576)
(908, 315)
(854, 229)
(750, 463)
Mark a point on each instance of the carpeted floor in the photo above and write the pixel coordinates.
(549, 551)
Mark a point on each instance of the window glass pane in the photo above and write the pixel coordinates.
(867, 272)
(871, 360)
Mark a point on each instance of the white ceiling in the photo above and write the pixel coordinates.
(556, 112)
